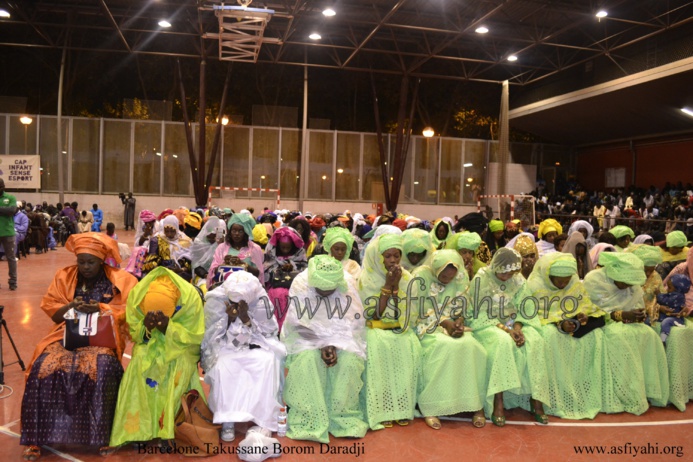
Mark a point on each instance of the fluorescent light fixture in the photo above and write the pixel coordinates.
(602, 14)
(158, 154)
(468, 165)
(4, 14)
(340, 170)
(175, 156)
(164, 23)
(329, 12)
(64, 152)
(512, 58)
(315, 36)
(481, 30)
(416, 182)
(687, 111)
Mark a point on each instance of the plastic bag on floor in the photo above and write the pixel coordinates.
(257, 437)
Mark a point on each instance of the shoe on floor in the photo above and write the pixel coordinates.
(228, 433)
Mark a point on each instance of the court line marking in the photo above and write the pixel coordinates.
(588, 424)
(4, 429)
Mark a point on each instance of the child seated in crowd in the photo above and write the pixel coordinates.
(672, 304)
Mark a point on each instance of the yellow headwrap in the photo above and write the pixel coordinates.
(162, 295)
(548, 225)
(525, 246)
(260, 234)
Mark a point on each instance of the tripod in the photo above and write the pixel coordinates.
(3, 323)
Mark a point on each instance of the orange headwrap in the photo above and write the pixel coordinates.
(401, 224)
(96, 244)
(162, 295)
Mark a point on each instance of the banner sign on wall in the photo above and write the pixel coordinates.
(21, 172)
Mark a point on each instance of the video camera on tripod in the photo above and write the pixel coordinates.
(19, 361)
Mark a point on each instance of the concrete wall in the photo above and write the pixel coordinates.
(113, 208)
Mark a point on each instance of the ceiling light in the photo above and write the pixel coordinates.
(329, 12)
(164, 23)
(324, 177)
(481, 30)
(468, 165)
(602, 14)
(26, 120)
(175, 156)
(512, 58)
(416, 182)
(428, 132)
(470, 179)
(315, 36)
(4, 14)
(687, 111)
(340, 170)
(158, 154)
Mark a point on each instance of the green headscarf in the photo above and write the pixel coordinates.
(649, 254)
(621, 231)
(496, 225)
(373, 278)
(245, 220)
(623, 267)
(542, 288)
(469, 241)
(416, 240)
(431, 320)
(335, 235)
(676, 239)
(563, 266)
(390, 241)
(326, 273)
(434, 238)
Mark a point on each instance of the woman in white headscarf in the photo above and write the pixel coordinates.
(586, 229)
(203, 248)
(170, 248)
(241, 355)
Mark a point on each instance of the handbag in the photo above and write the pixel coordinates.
(195, 427)
(281, 279)
(89, 329)
(136, 262)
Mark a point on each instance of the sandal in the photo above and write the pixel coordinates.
(498, 421)
(541, 418)
(105, 451)
(386, 423)
(31, 453)
(432, 422)
(479, 421)
(402, 423)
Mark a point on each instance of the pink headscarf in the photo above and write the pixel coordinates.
(286, 234)
(147, 216)
(598, 249)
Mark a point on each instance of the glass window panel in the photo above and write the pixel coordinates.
(265, 161)
(372, 177)
(177, 175)
(291, 148)
(23, 137)
(148, 157)
(450, 171)
(236, 155)
(116, 156)
(3, 134)
(425, 169)
(320, 165)
(348, 158)
(49, 156)
(85, 155)
(474, 175)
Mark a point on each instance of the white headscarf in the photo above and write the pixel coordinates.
(201, 251)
